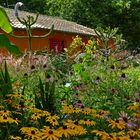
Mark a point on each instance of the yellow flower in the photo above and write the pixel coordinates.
(100, 116)
(36, 116)
(88, 111)
(134, 132)
(69, 109)
(134, 106)
(136, 114)
(45, 113)
(5, 113)
(50, 134)
(105, 136)
(15, 138)
(36, 110)
(5, 119)
(31, 133)
(104, 112)
(52, 119)
(124, 138)
(120, 124)
(87, 122)
(102, 134)
(65, 131)
(77, 129)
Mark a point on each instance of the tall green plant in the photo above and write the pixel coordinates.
(45, 99)
(5, 81)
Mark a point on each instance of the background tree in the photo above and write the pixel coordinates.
(124, 14)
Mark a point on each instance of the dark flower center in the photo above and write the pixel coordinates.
(82, 106)
(85, 119)
(4, 117)
(33, 132)
(50, 132)
(53, 120)
(76, 122)
(125, 119)
(117, 121)
(131, 137)
(65, 127)
(110, 136)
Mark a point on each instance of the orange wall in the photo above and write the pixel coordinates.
(42, 43)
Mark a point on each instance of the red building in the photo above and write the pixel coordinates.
(61, 37)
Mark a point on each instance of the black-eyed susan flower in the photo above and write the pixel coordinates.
(134, 132)
(52, 119)
(45, 113)
(100, 116)
(5, 113)
(87, 122)
(6, 119)
(50, 134)
(36, 110)
(125, 137)
(36, 116)
(134, 106)
(76, 127)
(120, 124)
(65, 131)
(88, 111)
(31, 133)
(69, 109)
(102, 134)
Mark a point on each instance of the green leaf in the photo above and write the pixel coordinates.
(5, 43)
(4, 21)
(5, 81)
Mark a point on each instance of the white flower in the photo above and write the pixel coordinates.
(67, 84)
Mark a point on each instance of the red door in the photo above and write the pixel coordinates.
(56, 45)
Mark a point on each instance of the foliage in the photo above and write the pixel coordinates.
(4, 22)
(121, 14)
(45, 99)
(5, 81)
(7, 27)
(5, 43)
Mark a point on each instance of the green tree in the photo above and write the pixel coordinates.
(124, 14)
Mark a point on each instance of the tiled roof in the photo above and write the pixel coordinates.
(45, 22)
